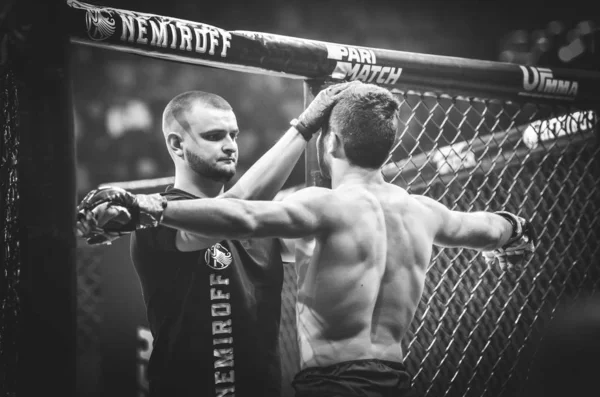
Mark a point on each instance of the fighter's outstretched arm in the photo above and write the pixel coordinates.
(476, 230)
(503, 237)
(299, 215)
(113, 212)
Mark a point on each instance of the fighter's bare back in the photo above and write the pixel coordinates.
(358, 291)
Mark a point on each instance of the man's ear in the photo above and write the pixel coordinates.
(175, 143)
(335, 145)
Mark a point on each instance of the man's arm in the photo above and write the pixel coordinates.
(476, 230)
(267, 175)
(301, 214)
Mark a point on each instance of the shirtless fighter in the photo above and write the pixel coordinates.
(365, 247)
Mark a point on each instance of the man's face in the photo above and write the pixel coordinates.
(210, 146)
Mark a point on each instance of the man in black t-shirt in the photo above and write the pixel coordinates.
(213, 304)
(214, 312)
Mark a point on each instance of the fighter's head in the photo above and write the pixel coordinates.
(361, 129)
(200, 131)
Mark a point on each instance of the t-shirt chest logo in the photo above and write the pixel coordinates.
(218, 257)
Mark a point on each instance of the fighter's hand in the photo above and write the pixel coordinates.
(108, 213)
(315, 115)
(88, 222)
(517, 251)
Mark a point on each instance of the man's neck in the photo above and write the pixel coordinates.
(347, 174)
(197, 185)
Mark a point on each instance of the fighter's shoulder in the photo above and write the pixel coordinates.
(425, 201)
(311, 194)
(316, 199)
(430, 207)
(395, 190)
(419, 198)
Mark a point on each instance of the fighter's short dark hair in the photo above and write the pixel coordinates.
(365, 117)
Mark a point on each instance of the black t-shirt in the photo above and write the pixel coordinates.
(214, 313)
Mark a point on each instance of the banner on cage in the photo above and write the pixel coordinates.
(566, 125)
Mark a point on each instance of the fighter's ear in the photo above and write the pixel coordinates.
(175, 143)
(335, 144)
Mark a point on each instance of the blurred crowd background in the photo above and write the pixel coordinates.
(119, 98)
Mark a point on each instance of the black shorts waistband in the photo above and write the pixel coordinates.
(395, 365)
(365, 377)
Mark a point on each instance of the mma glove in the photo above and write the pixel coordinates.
(317, 113)
(519, 247)
(108, 213)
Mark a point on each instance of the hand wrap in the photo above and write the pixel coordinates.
(109, 212)
(519, 247)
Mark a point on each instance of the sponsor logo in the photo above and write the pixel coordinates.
(223, 358)
(540, 82)
(556, 127)
(452, 158)
(355, 63)
(218, 257)
(155, 31)
(100, 22)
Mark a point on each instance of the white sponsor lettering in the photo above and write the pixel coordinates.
(220, 310)
(355, 63)
(186, 38)
(553, 128)
(155, 31)
(216, 279)
(224, 357)
(159, 33)
(350, 54)
(540, 82)
(225, 391)
(217, 294)
(228, 377)
(142, 25)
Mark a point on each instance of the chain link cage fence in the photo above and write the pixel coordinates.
(477, 327)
